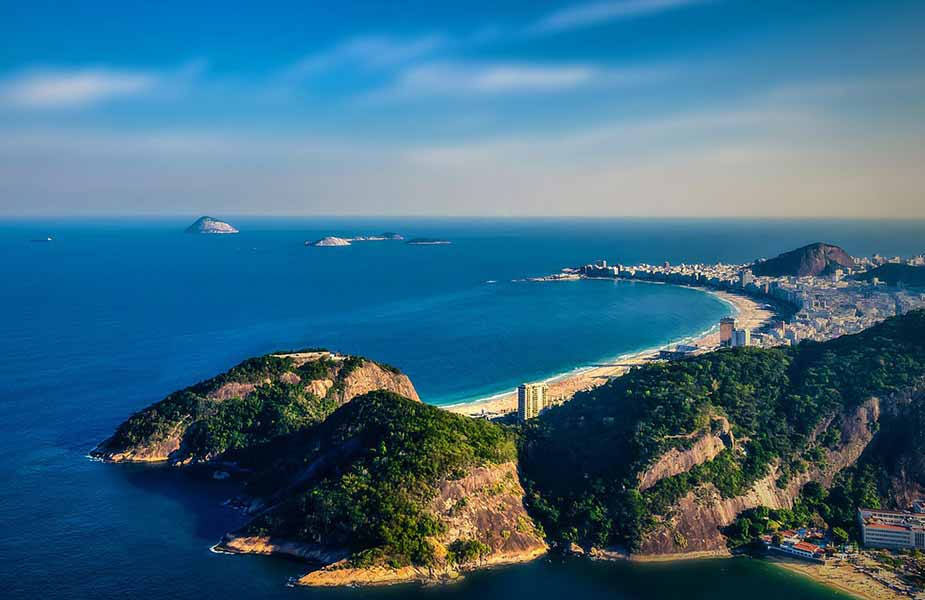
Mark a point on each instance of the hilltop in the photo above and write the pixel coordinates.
(251, 403)
(210, 225)
(814, 259)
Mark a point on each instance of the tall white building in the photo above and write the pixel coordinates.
(532, 399)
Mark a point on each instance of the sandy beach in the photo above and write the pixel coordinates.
(749, 312)
(841, 576)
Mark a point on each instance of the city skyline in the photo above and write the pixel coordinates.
(635, 108)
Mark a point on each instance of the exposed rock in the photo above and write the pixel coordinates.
(210, 225)
(266, 545)
(706, 446)
(695, 523)
(485, 506)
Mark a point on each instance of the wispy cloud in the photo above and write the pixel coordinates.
(373, 51)
(67, 89)
(584, 15)
(494, 79)
(78, 88)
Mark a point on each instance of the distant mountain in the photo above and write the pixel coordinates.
(893, 273)
(814, 259)
(210, 225)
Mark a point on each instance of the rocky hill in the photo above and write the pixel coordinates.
(814, 259)
(252, 403)
(668, 458)
(210, 225)
(344, 468)
(388, 489)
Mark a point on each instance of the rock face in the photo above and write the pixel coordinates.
(210, 225)
(329, 242)
(169, 430)
(695, 523)
(706, 445)
(814, 259)
(484, 506)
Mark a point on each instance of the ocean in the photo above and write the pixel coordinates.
(115, 313)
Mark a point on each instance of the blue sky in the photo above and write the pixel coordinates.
(609, 107)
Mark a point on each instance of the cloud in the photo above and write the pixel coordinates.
(458, 79)
(585, 15)
(67, 89)
(374, 51)
(46, 89)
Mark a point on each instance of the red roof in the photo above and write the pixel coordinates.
(807, 547)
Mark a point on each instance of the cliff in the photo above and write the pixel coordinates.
(252, 403)
(814, 259)
(484, 523)
(210, 225)
(696, 522)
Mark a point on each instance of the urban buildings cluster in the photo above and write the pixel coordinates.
(823, 307)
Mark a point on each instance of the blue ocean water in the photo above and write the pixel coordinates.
(114, 314)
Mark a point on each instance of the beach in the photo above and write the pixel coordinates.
(839, 575)
(749, 312)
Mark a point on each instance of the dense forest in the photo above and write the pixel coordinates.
(581, 461)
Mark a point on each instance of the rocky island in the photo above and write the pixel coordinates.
(341, 241)
(329, 242)
(346, 469)
(210, 226)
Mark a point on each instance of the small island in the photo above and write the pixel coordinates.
(328, 242)
(428, 242)
(210, 225)
(333, 241)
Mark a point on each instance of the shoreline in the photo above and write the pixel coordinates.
(750, 312)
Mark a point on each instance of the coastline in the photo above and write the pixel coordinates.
(750, 312)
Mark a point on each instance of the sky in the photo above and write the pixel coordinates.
(637, 108)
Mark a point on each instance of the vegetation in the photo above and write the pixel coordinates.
(273, 407)
(367, 474)
(582, 461)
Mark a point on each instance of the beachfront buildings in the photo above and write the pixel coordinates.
(891, 529)
(532, 399)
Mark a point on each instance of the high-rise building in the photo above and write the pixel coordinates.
(741, 337)
(532, 399)
(727, 328)
(745, 278)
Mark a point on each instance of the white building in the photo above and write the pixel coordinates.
(532, 399)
